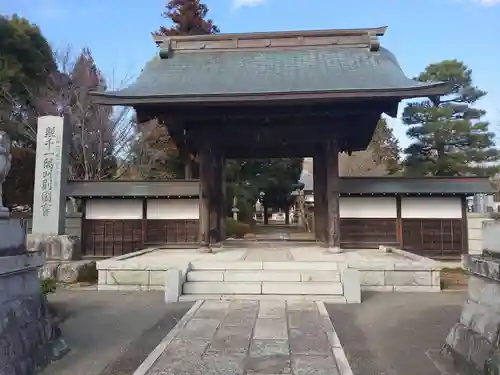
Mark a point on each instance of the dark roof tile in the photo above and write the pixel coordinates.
(402, 185)
(118, 188)
(251, 72)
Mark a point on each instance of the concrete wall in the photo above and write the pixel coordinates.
(27, 333)
(491, 235)
(475, 231)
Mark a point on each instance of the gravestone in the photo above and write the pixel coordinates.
(49, 200)
(473, 344)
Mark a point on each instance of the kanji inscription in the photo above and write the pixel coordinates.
(50, 177)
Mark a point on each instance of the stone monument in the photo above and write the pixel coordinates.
(49, 200)
(12, 234)
(5, 162)
(235, 208)
(472, 346)
(29, 337)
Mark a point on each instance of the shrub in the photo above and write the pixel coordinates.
(47, 286)
(236, 229)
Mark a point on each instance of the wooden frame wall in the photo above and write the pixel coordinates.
(441, 238)
(432, 237)
(110, 238)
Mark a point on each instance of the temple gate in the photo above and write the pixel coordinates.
(270, 95)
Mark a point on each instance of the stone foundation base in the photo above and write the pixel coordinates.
(29, 338)
(55, 247)
(472, 345)
(70, 272)
(12, 236)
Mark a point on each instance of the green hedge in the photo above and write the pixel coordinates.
(48, 286)
(236, 229)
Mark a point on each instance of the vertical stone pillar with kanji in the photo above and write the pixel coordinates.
(49, 200)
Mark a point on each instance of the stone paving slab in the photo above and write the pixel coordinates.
(251, 337)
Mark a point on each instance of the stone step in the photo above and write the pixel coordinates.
(267, 243)
(250, 265)
(247, 287)
(264, 297)
(264, 275)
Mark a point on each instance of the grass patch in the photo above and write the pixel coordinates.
(454, 278)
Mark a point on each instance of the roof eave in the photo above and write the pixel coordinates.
(375, 31)
(115, 98)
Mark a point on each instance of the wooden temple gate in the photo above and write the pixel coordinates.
(270, 95)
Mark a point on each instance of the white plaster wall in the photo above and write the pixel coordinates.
(491, 236)
(475, 222)
(113, 209)
(431, 208)
(173, 209)
(367, 207)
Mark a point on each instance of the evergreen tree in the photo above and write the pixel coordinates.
(245, 178)
(156, 155)
(187, 17)
(449, 137)
(385, 147)
(26, 67)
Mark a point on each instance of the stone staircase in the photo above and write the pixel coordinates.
(326, 281)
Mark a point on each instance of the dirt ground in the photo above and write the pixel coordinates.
(110, 333)
(390, 333)
(454, 279)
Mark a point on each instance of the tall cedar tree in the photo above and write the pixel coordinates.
(381, 158)
(159, 155)
(188, 18)
(245, 178)
(385, 147)
(449, 137)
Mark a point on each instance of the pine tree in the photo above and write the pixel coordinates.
(449, 137)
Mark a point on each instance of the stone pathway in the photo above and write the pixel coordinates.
(250, 337)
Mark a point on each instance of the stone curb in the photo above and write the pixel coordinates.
(157, 352)
(338, 351)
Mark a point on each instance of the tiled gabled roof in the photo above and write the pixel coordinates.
(344, 62)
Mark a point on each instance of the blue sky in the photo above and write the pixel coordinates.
(420, 32)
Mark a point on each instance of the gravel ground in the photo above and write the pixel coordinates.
(111, 333)
(389, 333)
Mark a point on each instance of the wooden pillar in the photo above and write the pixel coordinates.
(399, 222)
(206, 180)
(333, 194)
(223, 205)
(465, 227)
(188, 172)
(266, 219)
(216, 197)
(144, 223)
(186, 159)
(319, 185)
